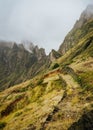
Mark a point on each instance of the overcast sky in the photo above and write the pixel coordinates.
(43, 22)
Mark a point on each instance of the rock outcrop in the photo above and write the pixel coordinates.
(18, 64)
(80, 29)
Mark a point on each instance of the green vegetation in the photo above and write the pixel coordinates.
(17, 114)
(76, 35)
(87, 80)
(56, 65)
(24, 89)
(60, 97)
(21, 65)
(40, 81)
(2, 125)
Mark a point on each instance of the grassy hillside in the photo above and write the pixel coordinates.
(76, 35)
(59, 98)
(53, 102)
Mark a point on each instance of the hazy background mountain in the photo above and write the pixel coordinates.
(79, 30)
(19, 62)
(60, 96)
(43, 22)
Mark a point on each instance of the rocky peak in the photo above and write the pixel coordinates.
(85, 16)
(21, 46)
(29, 46)
(54, 55)
(39, 52)
(90, 8)
(36, 49)
(80, 29)
(20, 63)
(15, 46)
(87, 13)
(42, 51)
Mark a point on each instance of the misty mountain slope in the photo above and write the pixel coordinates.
(52, 101)
(83, 48)
(60, 99)
(83, 26)
(17, 64)
(53, 55)
(77, 106)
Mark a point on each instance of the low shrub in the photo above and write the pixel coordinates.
(2, 125)
(56, 65)
(18, 114)
(40, 81)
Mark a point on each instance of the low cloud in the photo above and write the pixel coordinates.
(44, 22)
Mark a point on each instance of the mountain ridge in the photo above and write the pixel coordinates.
(59, 98)
(77, 31)
(17, 59)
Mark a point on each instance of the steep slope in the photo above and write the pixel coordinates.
(60, 98)
(17, 64)
(54, 100)
(80, 29)
(84, 123)
(53, 55)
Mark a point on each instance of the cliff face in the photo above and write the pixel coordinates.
(84, 123)
(54, 55)
(17, 64)
(59, 96)
(80, 29)
(85, 16)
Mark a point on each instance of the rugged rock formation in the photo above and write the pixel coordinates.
(85, 16)
(84, 123)
(17, 64)
(56, 98)
(54, 55)
(80, 29)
